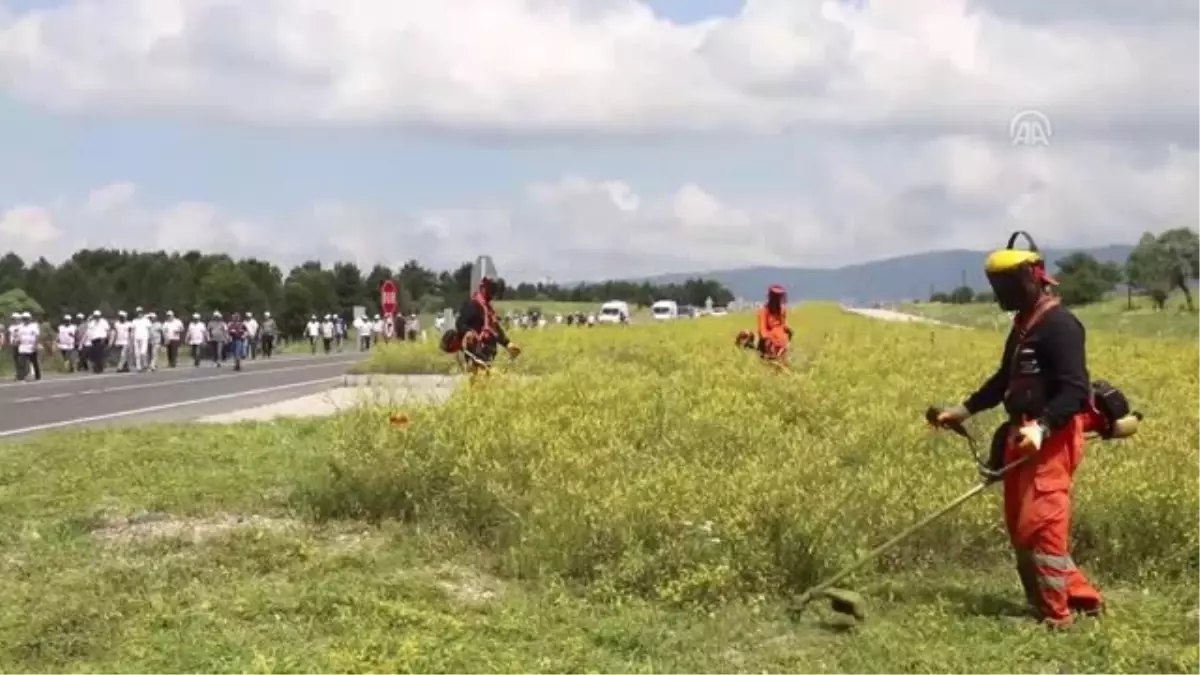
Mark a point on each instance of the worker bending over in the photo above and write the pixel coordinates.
(480, 329)
(774, 334)
(1042, 381)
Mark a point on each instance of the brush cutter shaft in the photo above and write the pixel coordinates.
(908, 532)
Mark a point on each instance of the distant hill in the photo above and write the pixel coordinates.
(904, 278)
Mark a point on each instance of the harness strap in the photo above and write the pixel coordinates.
(1022, 328)
(1043, 305)
(489, 316)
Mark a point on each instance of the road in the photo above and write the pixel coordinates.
(892, 315)
(168, 395)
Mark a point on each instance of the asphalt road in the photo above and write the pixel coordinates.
(168, 395)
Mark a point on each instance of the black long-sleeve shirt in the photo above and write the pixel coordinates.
(471, 317)
(1058, 340)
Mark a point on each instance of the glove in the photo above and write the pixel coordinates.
(514, 350)
(1030, 437)
(951, 416)
(789, 331)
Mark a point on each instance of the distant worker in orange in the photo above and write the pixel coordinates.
(1042, 382)
(774, 334)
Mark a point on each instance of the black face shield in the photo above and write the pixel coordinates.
(1015, 289)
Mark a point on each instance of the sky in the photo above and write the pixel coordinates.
(588, 139)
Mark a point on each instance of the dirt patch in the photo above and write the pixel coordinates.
(159, 525)
(466, 585)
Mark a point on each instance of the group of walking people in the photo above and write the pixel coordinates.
(91, 342)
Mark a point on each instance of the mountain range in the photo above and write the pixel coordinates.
(910, 277)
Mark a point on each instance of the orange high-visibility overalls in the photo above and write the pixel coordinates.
(1037, 509)
(773, 332)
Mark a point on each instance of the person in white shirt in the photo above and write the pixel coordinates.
(121, 341)
(312, 330)
(14, 325)
(140, 331)
(66, 342)
(97, 336)
(377, 326)
(27, 348)
(172, 331)
(327, 333)
(82, 346)
(339, 331)
(362, 333)
(197, 338)
(156, 339)
(252, 336)
(269, 332)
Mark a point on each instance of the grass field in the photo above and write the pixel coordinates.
(1112, 315)
(648, 504)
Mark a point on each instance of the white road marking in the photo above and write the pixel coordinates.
(247, 364)
(165, 406)
(163, 369)
(171, 383)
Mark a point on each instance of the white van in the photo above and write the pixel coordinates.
(614, 311)
(664, 310)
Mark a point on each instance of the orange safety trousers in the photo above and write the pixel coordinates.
(772, 329)
(1037, 513)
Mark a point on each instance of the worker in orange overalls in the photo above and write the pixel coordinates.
(1043, 384)
(478, 325)
(774, 334)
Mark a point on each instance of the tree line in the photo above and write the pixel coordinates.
(1158, 265)
(111, 280)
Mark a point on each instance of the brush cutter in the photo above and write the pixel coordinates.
(845, 601)
(467, 355)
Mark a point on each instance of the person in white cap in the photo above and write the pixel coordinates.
(197, 337)
(172, 332)
(312, 331)
(98, 340)
(81, 343)
(218, 338)
(14, 325)
(156, 339)
(121, 341)
(327, 333)
(377, 333)
(362, 332)
(252, 336)
(66, 342)
(27, 348)
(269, 331)
(140, 331)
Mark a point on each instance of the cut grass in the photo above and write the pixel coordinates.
(87, 591)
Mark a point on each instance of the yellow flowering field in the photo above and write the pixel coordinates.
(660, 460)
(636, 499)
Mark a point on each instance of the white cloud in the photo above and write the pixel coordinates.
(612, 65)
(897, 116)
(955, 192)
(27, 229)
(110, 198)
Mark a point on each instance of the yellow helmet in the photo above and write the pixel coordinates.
(1011, 259)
